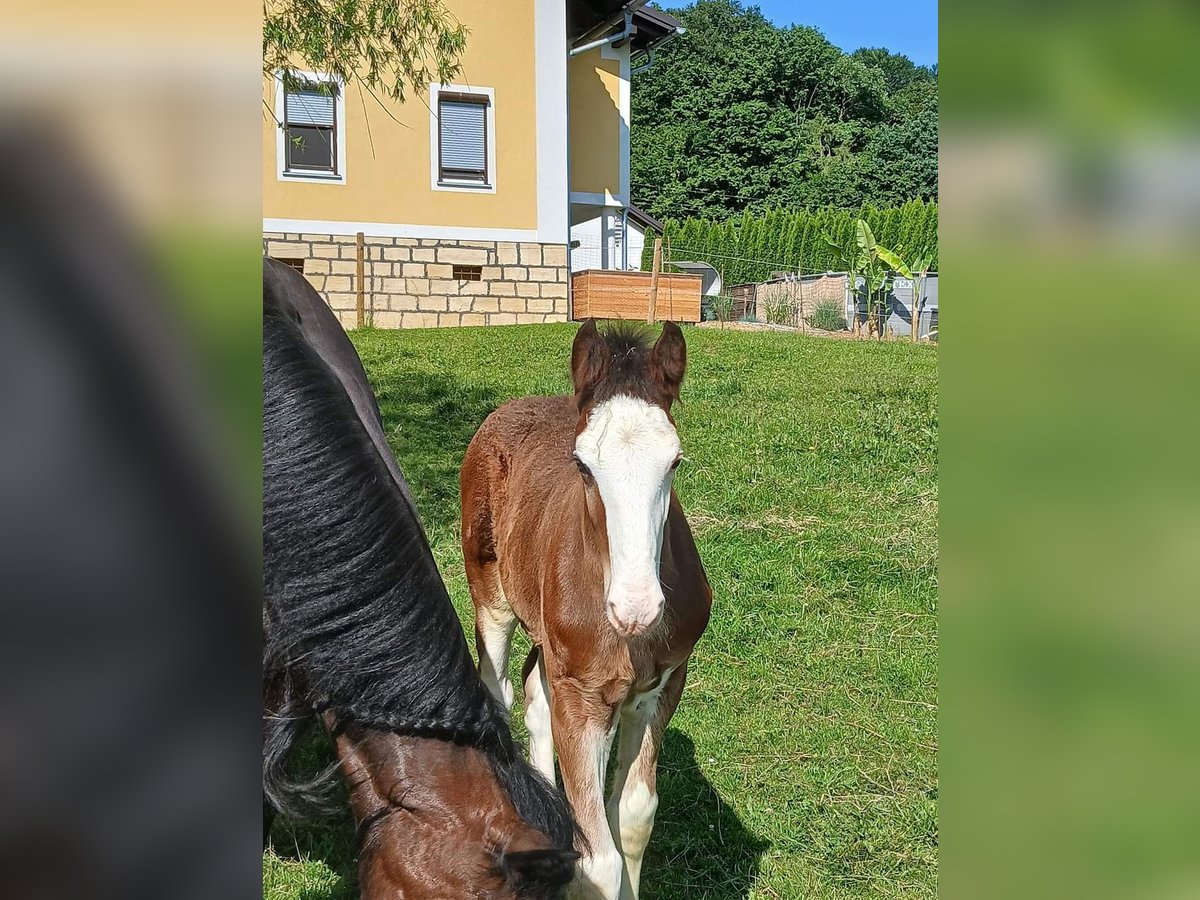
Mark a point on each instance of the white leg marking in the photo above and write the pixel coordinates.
(599, 875)
(496, 625)
(633, 804)
(537, 721)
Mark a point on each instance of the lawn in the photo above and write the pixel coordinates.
(803, 759)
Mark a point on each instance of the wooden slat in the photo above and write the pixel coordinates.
(604, 294)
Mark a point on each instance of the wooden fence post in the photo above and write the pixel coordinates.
(360, 312)
(654, 270)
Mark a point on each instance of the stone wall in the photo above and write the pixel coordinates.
(409, 283)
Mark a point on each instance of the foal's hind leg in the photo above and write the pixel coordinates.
(634, 797)
(494, 625)
(494, 618)
(537, 715)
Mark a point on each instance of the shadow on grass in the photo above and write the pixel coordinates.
(328, 839)
(429, 420)
(699, 848)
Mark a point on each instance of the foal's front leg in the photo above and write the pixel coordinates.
(634, 798)
(583, 730)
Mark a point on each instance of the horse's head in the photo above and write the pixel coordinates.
(627, 451)
(434, 822)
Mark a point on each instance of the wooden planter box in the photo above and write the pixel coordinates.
(607, 294)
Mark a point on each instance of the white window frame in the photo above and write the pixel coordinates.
(467, 187)
(281, 132)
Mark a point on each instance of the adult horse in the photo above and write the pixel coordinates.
(570, 526)
(360, 632)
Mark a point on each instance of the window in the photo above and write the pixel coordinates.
(468, 273)
(312, 119)
(463, 125)
(294, 262)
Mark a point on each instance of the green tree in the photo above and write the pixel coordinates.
(737, 114)
(382, 45)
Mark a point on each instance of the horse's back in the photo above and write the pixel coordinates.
(291, 293)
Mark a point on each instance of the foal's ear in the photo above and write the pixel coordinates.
(589, 359)
(668, 359)
(544, 868)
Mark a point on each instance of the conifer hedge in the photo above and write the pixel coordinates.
(752, 247)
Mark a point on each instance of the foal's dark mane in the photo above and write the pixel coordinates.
(620, 360)
(358, 620)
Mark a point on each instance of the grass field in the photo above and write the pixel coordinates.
(803, 759)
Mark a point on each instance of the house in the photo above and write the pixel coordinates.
(612, 238)
(465, 198)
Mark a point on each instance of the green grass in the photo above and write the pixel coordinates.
(802, 760)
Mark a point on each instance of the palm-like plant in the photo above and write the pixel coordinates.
(863, 255)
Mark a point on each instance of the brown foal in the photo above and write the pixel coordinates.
(571, 527)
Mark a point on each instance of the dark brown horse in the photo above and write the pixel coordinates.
(361, 634)
(571, 527)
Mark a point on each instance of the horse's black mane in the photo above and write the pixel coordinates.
(358, 621)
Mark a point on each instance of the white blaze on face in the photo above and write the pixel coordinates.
(631, 449)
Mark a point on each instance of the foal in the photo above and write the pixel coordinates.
(570, 526)
(361, 633)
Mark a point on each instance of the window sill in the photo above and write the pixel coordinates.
(324, 177)
(469, 185)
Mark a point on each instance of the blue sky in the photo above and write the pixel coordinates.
(908, 27)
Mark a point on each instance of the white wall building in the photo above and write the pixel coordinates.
(611, 238)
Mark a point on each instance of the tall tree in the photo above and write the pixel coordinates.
(386, 46)
(737, 114)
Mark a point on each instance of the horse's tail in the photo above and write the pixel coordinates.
(286, 717)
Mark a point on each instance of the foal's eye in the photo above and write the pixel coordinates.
(675, 465)
(583, 469)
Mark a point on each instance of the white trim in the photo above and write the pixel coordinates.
(596, 199)
(622, 54)
(550, 85)
(389, 229)
(467, 187)
(280, 138)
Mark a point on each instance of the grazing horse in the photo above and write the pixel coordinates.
(360, 633)
(570, 526)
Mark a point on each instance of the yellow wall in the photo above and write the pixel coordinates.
(392, 185)
(595, 130)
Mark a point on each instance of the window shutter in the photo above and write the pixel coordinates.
(463, 130)
(310, 106)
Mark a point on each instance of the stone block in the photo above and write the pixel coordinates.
(516, 273)
(531, 254)
(502, 319)
(554, 255)
(465, 256)
(387, 319)
(473, 319)
(287, 250)
(419, 320)
(543, 273)
(447, 288)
